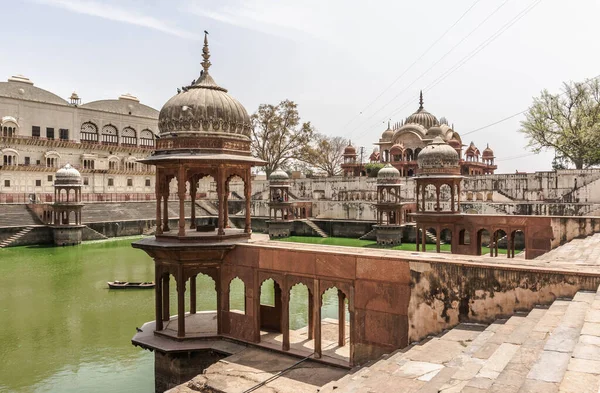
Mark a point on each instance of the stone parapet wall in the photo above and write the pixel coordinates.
(442, 294)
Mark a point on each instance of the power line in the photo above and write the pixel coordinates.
(516, 114)
(414, 62)
(434, 64)
(516, 157)
(469, 56)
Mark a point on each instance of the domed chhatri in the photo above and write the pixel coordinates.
(205, 117)
(67, 175)
(438, 155)
(203, 132)
(488, 153)
(278, 175)
(349, 150)
(388, 174)
(387, 134)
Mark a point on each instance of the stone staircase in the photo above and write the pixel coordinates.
(549, 349)
(432, 237)
(315, 228)
(371, 235)
(208, 207)
(16, 236)
(92, 234)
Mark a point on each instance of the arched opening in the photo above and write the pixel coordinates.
(89, 133)
(128, 137)
(445, 240)
(237, 296)
(335, 324)
(270, 306)
(110, 135)
(464, 237)
(430, 239)
(147, 138)
(516, 244)
(301, 318)
(498, 243)
(483, 241)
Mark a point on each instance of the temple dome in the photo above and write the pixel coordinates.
(438, 154)
(67, 175)
(387, 173)
(278, 175)
(422, 117)
(204, 109)
(435, 131)
(488, 153)
(350, 150)
(388, 133)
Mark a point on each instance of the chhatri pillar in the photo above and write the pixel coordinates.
(280, 207)
(389, 207)
(66, 220)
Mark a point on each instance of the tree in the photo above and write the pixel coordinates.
(278, 135)
(325, 153)
(568, 122)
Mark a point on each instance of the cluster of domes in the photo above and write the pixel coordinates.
(438, 155)
(204, 109)
(67, 176)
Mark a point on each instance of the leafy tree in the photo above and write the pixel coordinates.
(373, 168)
(325, 153)
(278, 135)
(568, 122)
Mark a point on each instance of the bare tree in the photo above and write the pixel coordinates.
(568, 122)
(325, 153)
(278, 135)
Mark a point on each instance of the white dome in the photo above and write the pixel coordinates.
(67, 175)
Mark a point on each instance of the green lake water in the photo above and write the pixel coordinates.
(62, 330)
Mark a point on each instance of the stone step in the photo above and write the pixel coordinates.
(583, 369)
(548, 370)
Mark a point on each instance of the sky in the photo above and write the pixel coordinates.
(349, 65)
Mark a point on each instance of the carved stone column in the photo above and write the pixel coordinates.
(226, 205)
(248, 196)
(221, 195)
(341, 319)
(158, 304)
(181, 189)
(193, 189)
(180, 303)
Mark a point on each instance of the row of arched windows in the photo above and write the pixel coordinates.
(9, 131)
(109, 135)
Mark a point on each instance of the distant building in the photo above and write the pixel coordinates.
(401, 143)
(41, 132)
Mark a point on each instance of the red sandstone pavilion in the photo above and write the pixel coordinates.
(394, 298)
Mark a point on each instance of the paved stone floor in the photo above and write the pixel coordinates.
(247, 368)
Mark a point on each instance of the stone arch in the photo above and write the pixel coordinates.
(464, 237)
(147, 138)
(110, 135)
(237, 295)
(129, 136)
(89, 132)
(271, 307)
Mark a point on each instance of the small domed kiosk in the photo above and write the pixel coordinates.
(66, 225)
(389, 206)
(437, 191)
(280, 207)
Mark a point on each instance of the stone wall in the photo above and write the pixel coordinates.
(443, 294)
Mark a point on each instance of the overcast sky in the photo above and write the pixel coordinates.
(350, 65)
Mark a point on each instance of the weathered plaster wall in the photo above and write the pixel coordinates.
(442, 294)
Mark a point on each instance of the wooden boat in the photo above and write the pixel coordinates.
(127, 284)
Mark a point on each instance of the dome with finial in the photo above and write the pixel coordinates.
(435, 131)
(438, 155)
(278, 175)
(350, 150)
(388, 174)
(388, 133)
(487, 152)
(204, 109)
(67, 176)
(422, 117)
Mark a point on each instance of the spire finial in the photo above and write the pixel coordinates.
(205, 54)
(421, 100)
(389, 125)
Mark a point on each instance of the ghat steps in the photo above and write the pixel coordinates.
(555, 349)
(16, 237)
(315, 227)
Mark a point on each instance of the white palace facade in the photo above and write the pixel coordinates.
(41, 132)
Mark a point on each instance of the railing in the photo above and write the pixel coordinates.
(85, 198)
(144, 144)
